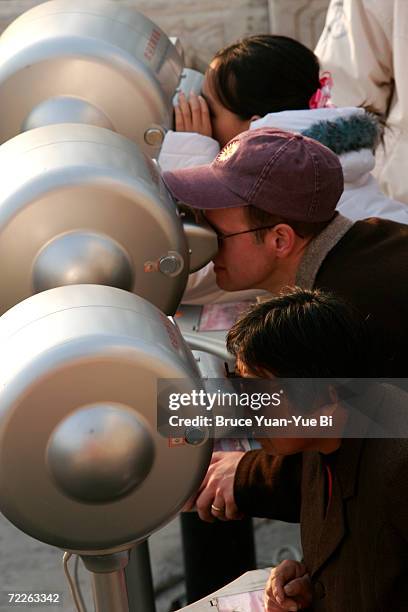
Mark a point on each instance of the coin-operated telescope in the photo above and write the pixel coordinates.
(80, 204)
(82, 466)
(94, 255)
(94, 63)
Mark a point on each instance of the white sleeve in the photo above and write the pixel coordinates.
(186, 149)
(361, 202)
(356, 47)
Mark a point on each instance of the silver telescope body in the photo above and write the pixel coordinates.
(99, 214)
(82, 465)
(92, 62)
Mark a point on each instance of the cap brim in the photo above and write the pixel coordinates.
(199, 187)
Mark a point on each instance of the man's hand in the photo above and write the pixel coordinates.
(288, 587)
(215, 498)
(192, 115)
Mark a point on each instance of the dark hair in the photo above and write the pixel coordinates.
(302, 334)
(264, 74)
(257, 217)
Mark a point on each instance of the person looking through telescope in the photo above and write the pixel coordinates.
(247, 80)
(273, 81)
(326, 483)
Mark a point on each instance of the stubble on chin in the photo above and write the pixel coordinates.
(221, 280)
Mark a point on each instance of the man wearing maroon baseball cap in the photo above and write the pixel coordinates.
(266, 195)
(271, 198)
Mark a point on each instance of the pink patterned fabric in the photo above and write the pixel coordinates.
(244, 602)
(322, 97)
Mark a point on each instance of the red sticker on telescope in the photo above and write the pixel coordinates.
(152, 44)
(176, 442)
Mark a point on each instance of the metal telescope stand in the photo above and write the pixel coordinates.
(122, 582)
(139, 579)
(108, 581)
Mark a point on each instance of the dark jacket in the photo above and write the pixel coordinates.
(368, 267)
(357, 552)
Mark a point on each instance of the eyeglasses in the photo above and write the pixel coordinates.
(221, 236)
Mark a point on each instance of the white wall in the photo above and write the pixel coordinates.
(300, 19)
(205, 26)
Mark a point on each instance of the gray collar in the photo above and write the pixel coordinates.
(317, 250)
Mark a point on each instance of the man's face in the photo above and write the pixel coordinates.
(241, 261)
(275, 445)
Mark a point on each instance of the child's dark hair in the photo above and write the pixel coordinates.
(302, 334)
(264, 74)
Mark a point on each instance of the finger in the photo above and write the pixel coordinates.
(217, 456)
(214, 480)
(236, 515)
(218, 509)
(231, 509)
(186, 111)
(206, 481)
(288, 569)
(205, 117)
(280, 576)
(295, 586)
(195, 108)
(279, 594)
(190, 503)
(178, 119)
(277, 584)
(219, 515)
(203, 505)
(271, 605)
(210, 472)
(300, 590)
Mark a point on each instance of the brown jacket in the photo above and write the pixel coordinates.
(357, 552)
(368, 267)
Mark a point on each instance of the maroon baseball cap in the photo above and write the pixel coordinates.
(283, 173)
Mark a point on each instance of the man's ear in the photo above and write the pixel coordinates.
(281, 239)
(254, 118)
(333, 402)
(333, 394)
